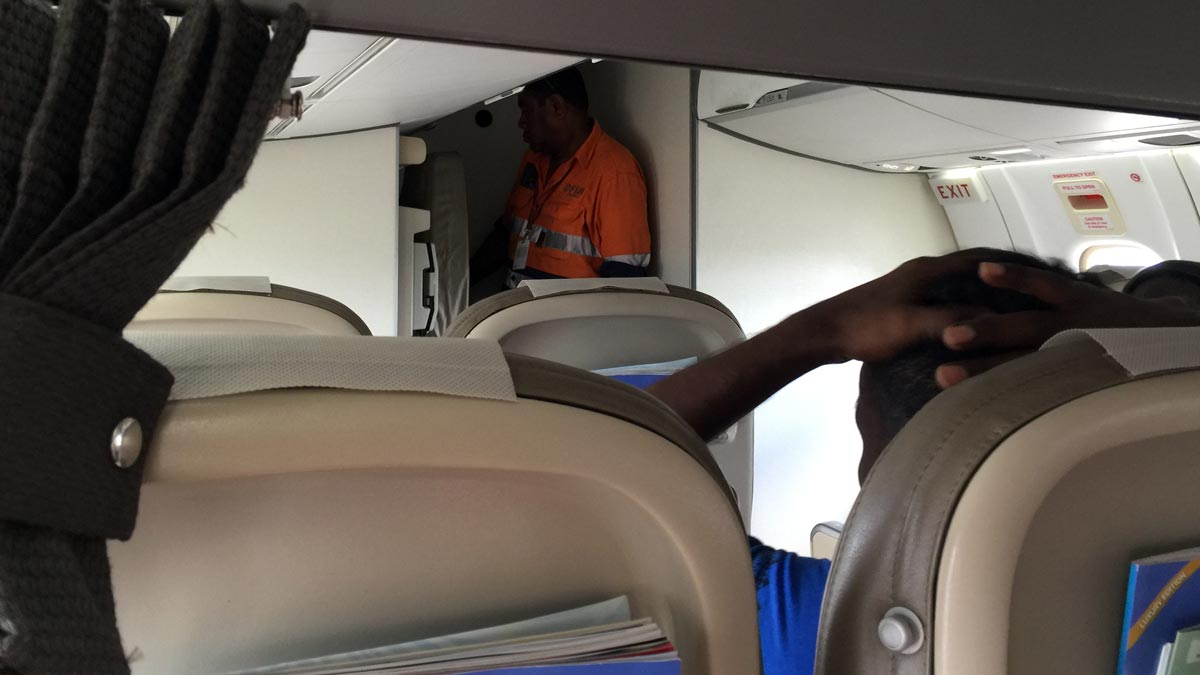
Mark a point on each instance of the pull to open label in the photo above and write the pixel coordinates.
(1090, 206)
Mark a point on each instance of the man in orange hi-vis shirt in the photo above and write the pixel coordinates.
(579, 206)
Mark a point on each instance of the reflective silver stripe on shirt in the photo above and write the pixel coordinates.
(540, 236)
(635, 259)
(571, 243)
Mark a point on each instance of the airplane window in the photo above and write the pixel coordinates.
(1118, 255)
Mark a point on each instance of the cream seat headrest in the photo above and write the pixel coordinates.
(210, 365)
(599, 324)
(248, 305)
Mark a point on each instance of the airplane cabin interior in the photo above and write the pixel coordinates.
(365, 448)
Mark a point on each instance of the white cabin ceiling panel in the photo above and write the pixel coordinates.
(325, 53)
(893, 130)
(408, 84)
(1028, 121)
(855, 124)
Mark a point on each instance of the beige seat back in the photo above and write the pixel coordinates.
(1005, 515)
(247, 305)
(608, 323)
(308, 495)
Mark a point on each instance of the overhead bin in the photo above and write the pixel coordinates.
(1027, 121)
(900, 131)
(853, 125)
(355, 82)
(720, 92)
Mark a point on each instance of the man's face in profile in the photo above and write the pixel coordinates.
(534, 122)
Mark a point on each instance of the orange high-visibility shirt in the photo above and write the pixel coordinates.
(588, 219)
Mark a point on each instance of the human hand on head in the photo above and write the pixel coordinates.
(881, 318)
(1072, 304)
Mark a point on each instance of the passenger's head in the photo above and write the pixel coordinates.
(1173, 280)
(892, 392)
(553, 110)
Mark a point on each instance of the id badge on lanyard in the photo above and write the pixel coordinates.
(521, 255)
(529, 229)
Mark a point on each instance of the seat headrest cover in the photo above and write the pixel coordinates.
(480, 311)
(208, 365)
(544, 287)
(1141, 350)
(259, 285)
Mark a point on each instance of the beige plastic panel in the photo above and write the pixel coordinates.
(410, 150)
(199, 312)
(823, 541)
(287, 524)
(1034, 569)
(606, 330)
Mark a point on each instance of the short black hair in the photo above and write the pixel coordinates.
(566, 83)
(903, 385)
(1185, 271)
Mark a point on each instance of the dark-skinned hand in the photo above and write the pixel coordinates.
(1073, 304)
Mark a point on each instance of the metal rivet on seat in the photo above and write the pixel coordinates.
(901, 631)
(126, 442)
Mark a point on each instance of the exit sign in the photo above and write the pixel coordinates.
(958, 190)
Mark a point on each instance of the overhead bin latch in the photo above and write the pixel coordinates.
(290, 105)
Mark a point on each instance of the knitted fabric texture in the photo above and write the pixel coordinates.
(118, 147)
(26, 32)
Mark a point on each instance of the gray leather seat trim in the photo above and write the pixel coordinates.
(888, 555)
(324, 302)
(555, 383)
(478, 312)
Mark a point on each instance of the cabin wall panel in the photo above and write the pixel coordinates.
(775, 234)
(647, 108)
(1149, 196)
(319, 214)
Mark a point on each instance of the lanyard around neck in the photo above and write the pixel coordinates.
(536, 211)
